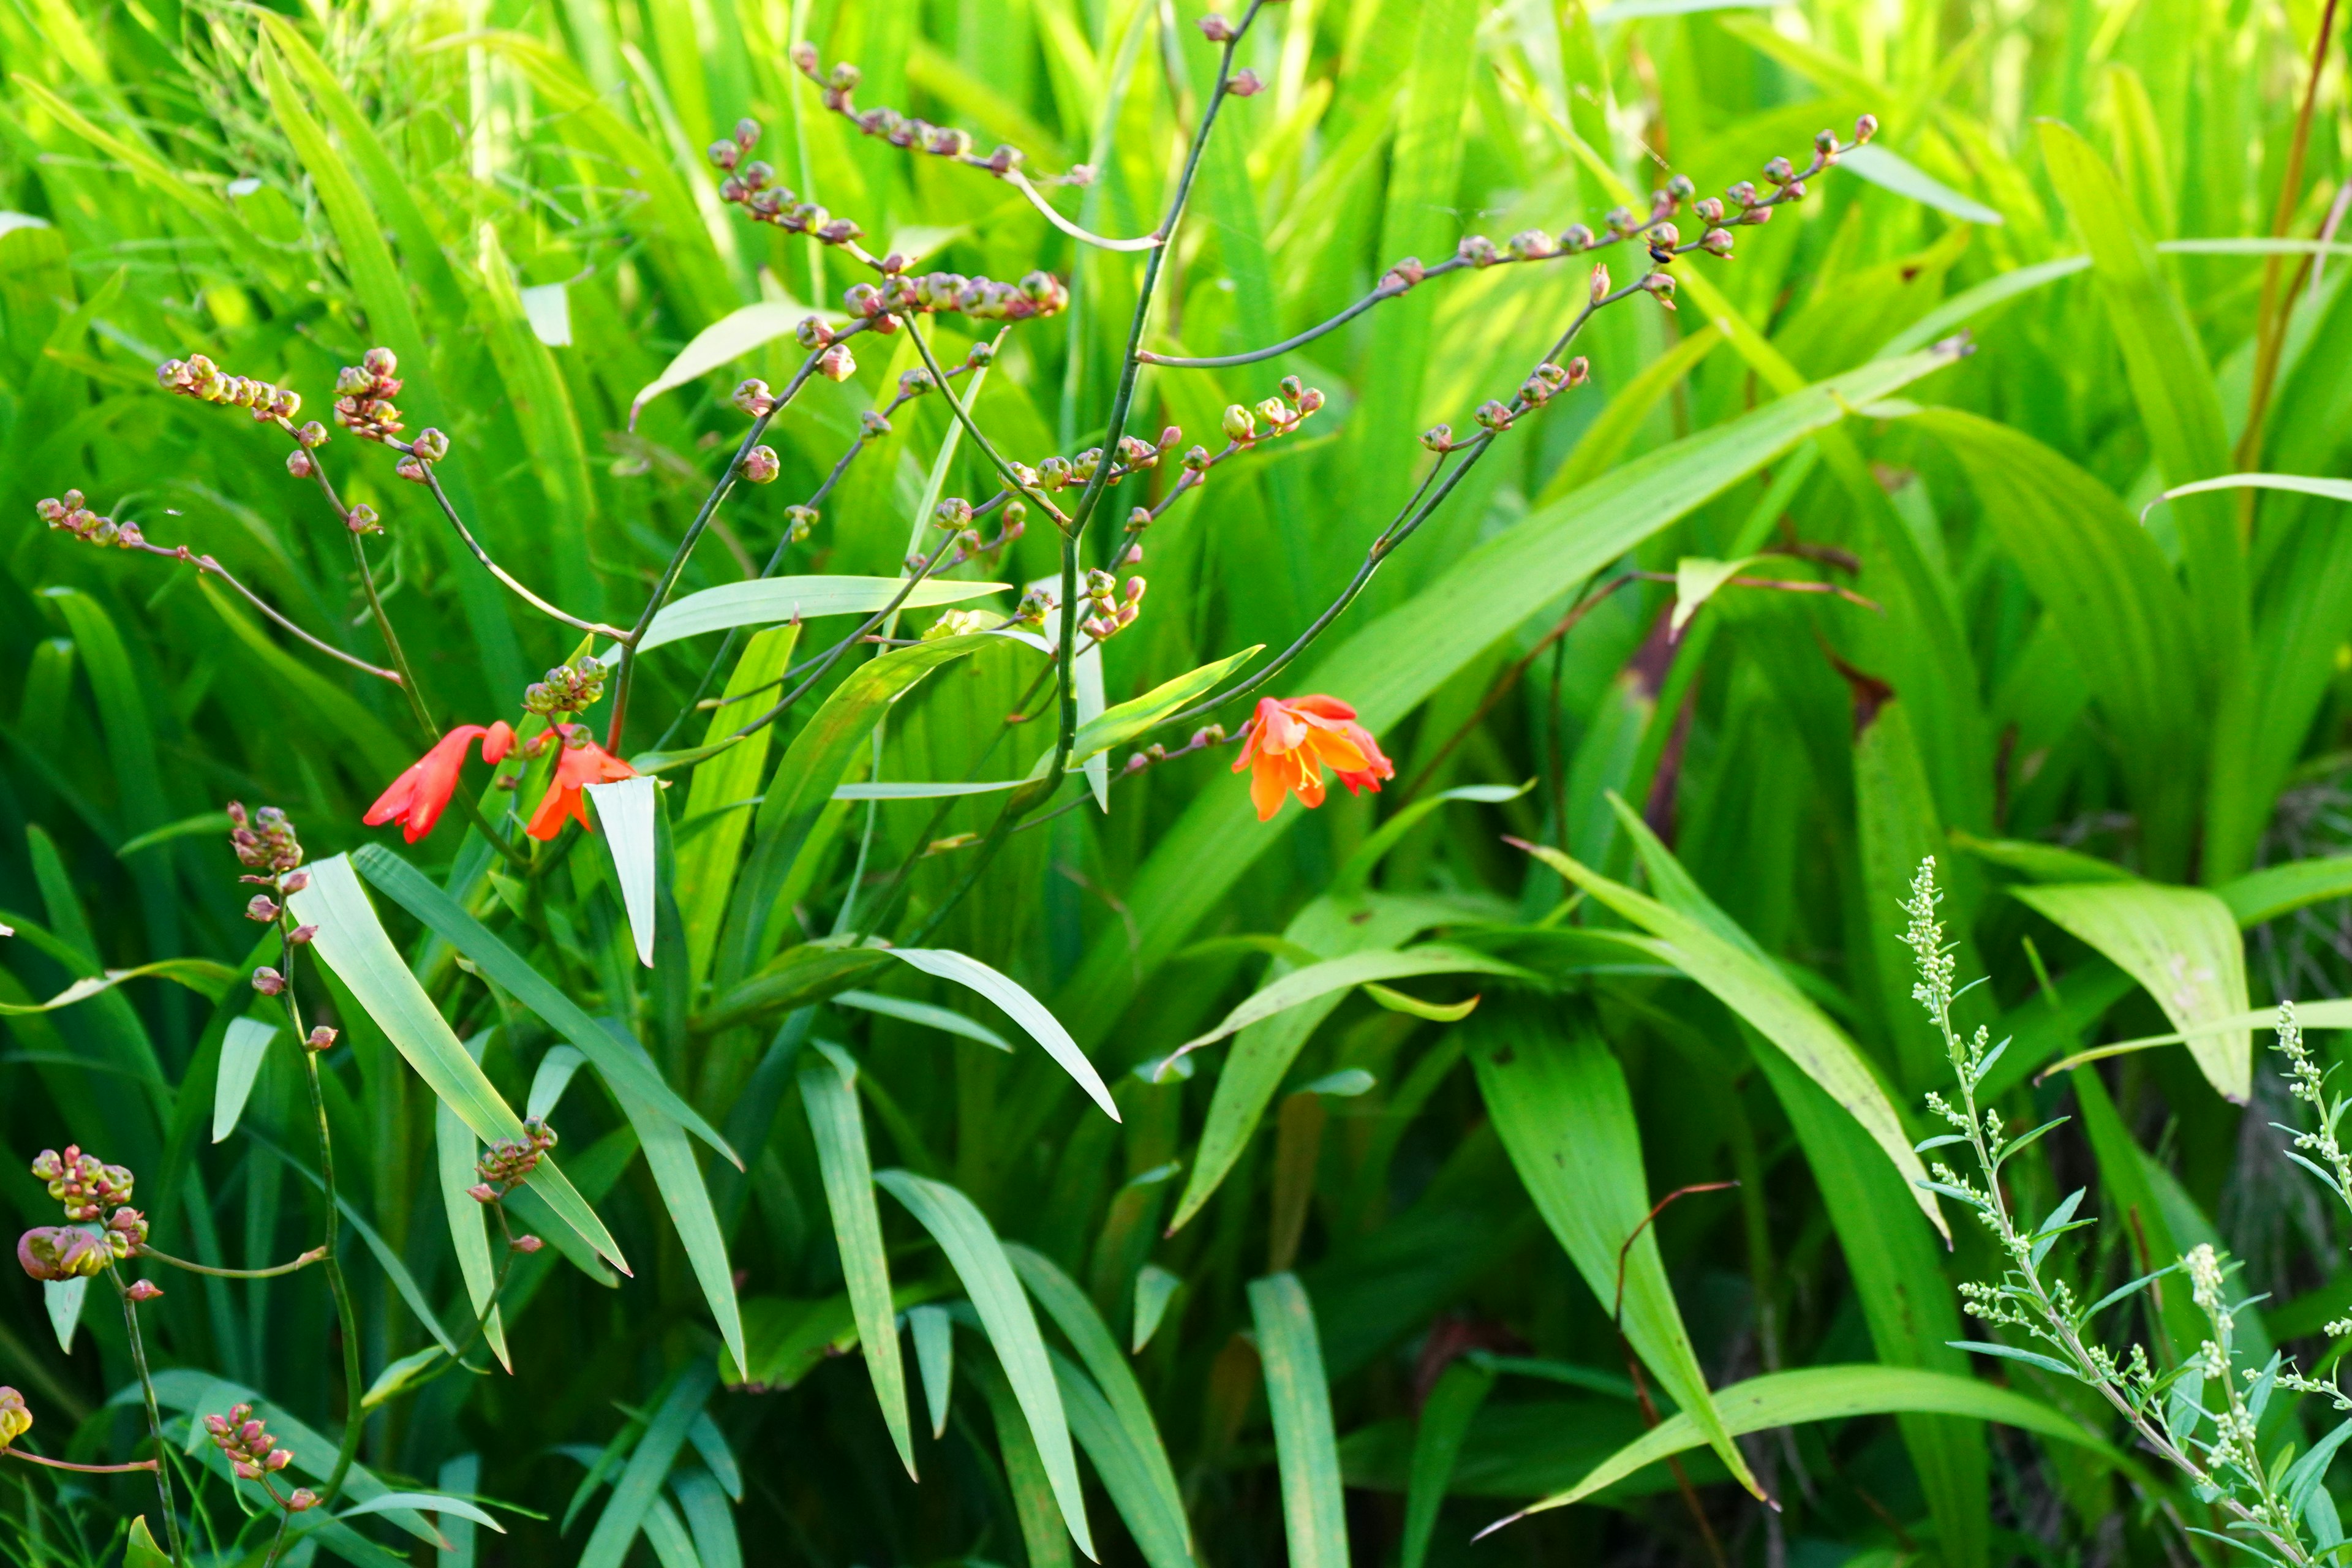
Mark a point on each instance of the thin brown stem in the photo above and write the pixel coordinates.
(2272, 317)
(205, 563)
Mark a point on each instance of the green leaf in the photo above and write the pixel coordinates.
(2182, 945)
(1833, 1393)
(1558, 1101)
(710, 1518)
(1354, 875)
(455, 1151)
(706, 857)
(805, 780)
(204, 822)
(206, 977)
(352, 943)
(1969, 303)
(627, 809)
(1396, 661)
(2301, 484)
(1604, 442)
(1021, 1008)
(767, 600)
(398, 1374)
(723, 341)
(640, 1484)
(63, 1300)
(1158, 1530)
(1154, 1288)
(623, 1064)
(1696, 580)
(140, 1550)
(934, 1334)
(1306, 1454)
(1445, 1418)
(1317, 980)
(1116, 725)
(2275, 890)
(1891, 171)
(1752, 986)
(923, 1013)
(828, 1092)
(1036, 1503)
(241, 1049)
(1123, 1399)
(430, 1502)
(979, 1260)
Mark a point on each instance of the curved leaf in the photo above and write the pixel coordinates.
(1317, 980)
(765, 601)
(1021, 1008)
(829, 1094)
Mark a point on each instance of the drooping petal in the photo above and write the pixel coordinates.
(497, 741)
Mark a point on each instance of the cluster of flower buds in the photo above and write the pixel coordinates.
(429, 447)
(1034, 606)
(16, 1419)
(838, 88)
(196, 376)
(83, 1183)
(363, 394)
(1114, 612)
(568, 688)
(752, 186)
(508, 1163)
(800, 521)
(265, 840)
(306, 441)
(1549, 379)
(252, 1453)
(1283, 414)
(1154, 754)
(982, 299)
(69, 512)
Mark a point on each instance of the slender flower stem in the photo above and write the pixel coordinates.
(307, 1258)
(972, 427)
(205, 563)
(85, 1469)
(693, 534)
(354, 1421)
(433, 482)
(155, 1413)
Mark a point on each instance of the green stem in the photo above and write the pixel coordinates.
(155, 1413)
(313, 1256)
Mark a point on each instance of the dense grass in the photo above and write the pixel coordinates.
(1399, 1233)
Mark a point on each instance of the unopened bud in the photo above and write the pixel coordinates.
(295, 881)
(1310, 400)
(430, 445)
(1438, 437)
(752, 397)
(1742, 195)
(1580, 370)
(1533, 244)
(1825, 142)
(1216, 29)
(1494, 416)
(299, 464)
(812, 334)
(1134, 556)
(301, 1500)
(409, 468)
(837, 363)
(722, 154)
(1575, 237)
(260, 907)
(319, 1038)
(1245, 84)
(482, 1193)
(1708, 209)
(1661, 285)
(300, 935)
(760, 465)
(267, 981)
(799, 520)
(1865, 128)
(380, 363)
(1274, 412)
(1135, 586)
(143, 1290)
(843, 77)
(1780, 172)
(528, 1244)
(1196, 459)
(1238, 425)
(1717, 242)
(804, 58)
(312, 435)
(1599, 288)
(953, 512)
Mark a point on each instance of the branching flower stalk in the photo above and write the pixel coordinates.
(2165, 1408)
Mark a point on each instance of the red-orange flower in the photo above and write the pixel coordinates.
(417, 796)
(1288, 741)
(581, 762)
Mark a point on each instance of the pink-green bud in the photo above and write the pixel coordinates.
(528, 1244)
(1575, 237)
(804, 58)
(312, 435)
(1238, 425)
(752, 397)
(299, 464)
(380, 363)
(267, 981)
(362, 519)
(723, 154)
(261, 907)
(1216, 29)
(760, 464)
(1865, 128)
(319, 1038)
(1533, 244)
(1245, 84)
(1438, 438)
(1477, 250)
(1494, 416)
(431, 445)
(1717, 242)
(1742, 195)
(143, 1290)
(1780, 172)
(1599, 288)
(837, 363)
(812, 334)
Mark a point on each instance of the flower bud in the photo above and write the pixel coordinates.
(1277, 412)
(1620, 220)
(1742, 195)
(1533, 244)
(1494, 416)
(1794, 190)
(319, 1038)
(1756, 214)
(380, 363)
(300, 935)
(760, 465)
(1780, 172)
(953, 512)
(1004, 160)
(1438, 438)
(527, 1244)
(1238, 425)
(799, 522)
(295, 881)
(812, 334)
(1680, 189)
(837, 363)
(267, 981)
(1599, 290)
(1825, 142)
(299, 464)
(312, 435)
(1664, 237)
(753, 398)
(1309, 401)
(1477, 250)
(260, 907)
(1216, 29)
(1580, 370)
(301, 1500)
(722, 154)
(845, 77)
(1717, 242)
(143, 1290)
(430, 445)
(1660, 286)
(1135, 586)
(1865, 128)
(1133, 557)
(873, 425)
(1709, 210)
(1404, 275)
(1575, 237)
(1245, 84)
(1196, 459)
(482, 1193)
(409, 468)
(804, 58)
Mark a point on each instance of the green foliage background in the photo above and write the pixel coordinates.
(2022, 678)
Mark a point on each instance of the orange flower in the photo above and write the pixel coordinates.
(417, 796)
(583, 763)
(1288, 741)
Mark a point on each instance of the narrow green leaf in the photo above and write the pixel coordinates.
(1317, 980)
(1558, 1101)
(352, 943)
(1306, 1453)
(641, 1481)
(1159, 1533)
(1831, 1393)
(706, 857)
(1154, 1288)
(828, 1092)
(241, 1050)
(979, 1260)
(934, 1333)
(768, 600)
(725, 341)
(1445, 1418)
(1889, 170)
(626, 812)
(923, 1013)
(63, 1299)
(1021, 1008)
